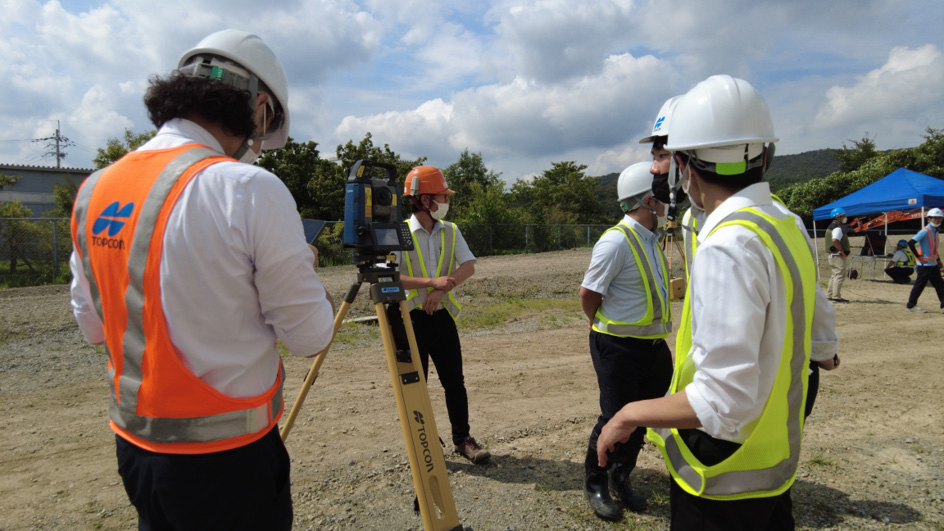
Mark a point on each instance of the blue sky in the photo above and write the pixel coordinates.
(525, 83)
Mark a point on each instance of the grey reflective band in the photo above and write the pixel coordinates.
(657, 327)
(773, 477)
(80, 211)
(124, 412)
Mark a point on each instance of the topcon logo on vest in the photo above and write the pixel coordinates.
(112, 218)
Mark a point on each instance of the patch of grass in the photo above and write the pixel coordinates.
(819, 459)
(492, 316)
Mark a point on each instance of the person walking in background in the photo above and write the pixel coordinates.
(837, 245)
(439, 262)
(624, 294)
(924, 247)
(901, 266)
(189, 265)
(731, 426)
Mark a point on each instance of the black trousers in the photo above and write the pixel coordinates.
(695, 513)
(437, 338)
(899, 274)
(243, 488)
(629, 369)
(927, 274)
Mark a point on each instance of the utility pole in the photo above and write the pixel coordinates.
(61, 142)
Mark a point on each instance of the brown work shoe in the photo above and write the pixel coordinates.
(472, 451)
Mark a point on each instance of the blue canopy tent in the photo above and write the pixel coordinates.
(898, 191)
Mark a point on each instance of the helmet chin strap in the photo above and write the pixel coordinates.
(671, 211)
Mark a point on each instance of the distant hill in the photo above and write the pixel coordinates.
(789, 169)
(785, 170)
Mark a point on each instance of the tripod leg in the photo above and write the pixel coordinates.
(427, 464)
(318, 360)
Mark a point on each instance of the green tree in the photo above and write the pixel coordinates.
(115, 148)
(470, 179)
(562, 194)
(316, 184)
(17, 233)
(928, 158)
(851, 159)
(7, 180)
(63, 194)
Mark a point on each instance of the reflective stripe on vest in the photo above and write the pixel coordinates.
(657, 322)
(909, 259)
(157, 403)
(765, 465)
(447, 248)
(932, 244)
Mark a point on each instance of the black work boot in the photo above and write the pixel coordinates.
(623, 463)
(595, 487)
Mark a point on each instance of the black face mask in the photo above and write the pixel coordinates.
(660, 189)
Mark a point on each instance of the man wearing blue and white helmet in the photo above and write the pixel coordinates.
(837, 245)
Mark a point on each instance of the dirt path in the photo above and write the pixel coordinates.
(873, 454)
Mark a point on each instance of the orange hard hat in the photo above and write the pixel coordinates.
(425, 180)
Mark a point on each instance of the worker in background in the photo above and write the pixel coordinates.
(837, 245)
(742, 384)
(924, 247)
(440, 261)
(901, 266)
(189, 263)
(625, 296)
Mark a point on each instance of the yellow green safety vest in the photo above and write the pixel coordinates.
(657, 322)
(447, 249)
(765, 465)
(910, 262)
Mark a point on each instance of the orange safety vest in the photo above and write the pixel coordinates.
(118, 227)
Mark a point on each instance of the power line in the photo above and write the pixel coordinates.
(61, 142)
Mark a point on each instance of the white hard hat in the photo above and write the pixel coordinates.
(723, 120)
(634, 180)
(661, 126)
(253, 57)
(935, 213)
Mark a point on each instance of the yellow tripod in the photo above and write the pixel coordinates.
(427, 464)
(676, 284)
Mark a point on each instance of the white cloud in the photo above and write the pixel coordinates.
(910, 82)
(554, 40)
(524, 82)
(522, 118)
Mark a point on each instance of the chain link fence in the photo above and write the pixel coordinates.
(36, 251)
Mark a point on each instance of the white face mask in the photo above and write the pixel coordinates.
(935, 224)
(440, 212)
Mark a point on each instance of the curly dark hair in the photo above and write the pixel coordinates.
(179, 96)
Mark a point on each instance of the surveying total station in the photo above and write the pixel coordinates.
(373, 228)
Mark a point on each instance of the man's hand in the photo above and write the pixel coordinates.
(613, 432)
(443, 283)
(314, 251)
(433, 298)
(829, 364)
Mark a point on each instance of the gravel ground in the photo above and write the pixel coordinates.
(873, 455)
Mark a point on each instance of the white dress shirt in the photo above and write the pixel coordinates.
(825, 338)
(430, 246)
(236, 274)
(738, 320)
(613, 273)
